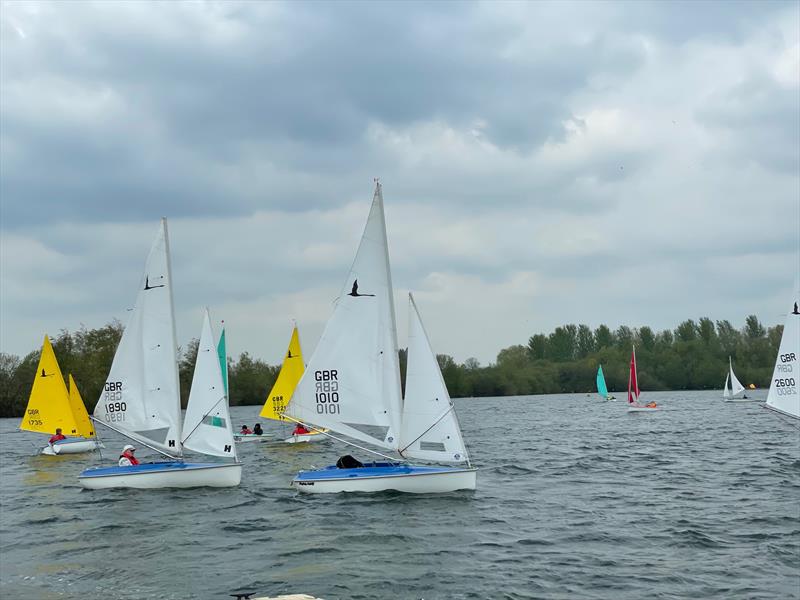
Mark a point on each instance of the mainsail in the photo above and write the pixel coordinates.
(784, 389)
(736, 386)
(141, 397)
(633, 383)
(601, 383)
(430, 429)
(207, 425)
(290, 373)
(352, 383)
(48, 405)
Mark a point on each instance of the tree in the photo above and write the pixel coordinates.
(646, 338)
(585, 341)
(707, 332)
(753, 329)
(603, 338)
(537, 346)
(624, 337)
(686, 331)
(561, 343)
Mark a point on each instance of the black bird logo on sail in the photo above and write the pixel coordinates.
(147, 285)
(47, 374)
(795, 311)
(354, 291)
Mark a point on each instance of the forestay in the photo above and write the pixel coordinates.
(48, 406)
(141, 397)
(784, 389)
(430, 427)
(290, 373)
(352, 382)
(207, 425)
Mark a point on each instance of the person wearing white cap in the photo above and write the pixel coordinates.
(127, 459)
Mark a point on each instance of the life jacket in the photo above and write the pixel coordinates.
(245, 431)
(651, 405)
(130, 457)
(56, 437)
(300, 430)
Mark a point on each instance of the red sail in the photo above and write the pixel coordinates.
(633, 383)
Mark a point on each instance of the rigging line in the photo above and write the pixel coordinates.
(137, 440)
(201, 420)
(392, 458)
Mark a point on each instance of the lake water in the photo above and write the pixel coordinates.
(576, 499)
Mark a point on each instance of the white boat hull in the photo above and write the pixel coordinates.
(740, 399)
(249, 438)
(71, 447)
(305, 438)
(632, 409)
(418, 480)
(171, 475)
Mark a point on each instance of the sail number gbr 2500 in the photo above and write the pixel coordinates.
(112, 399)
(327, 392)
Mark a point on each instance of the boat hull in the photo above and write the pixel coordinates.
(173, 474)
(305, 438)
(379, 477)
(249, 438)
(71, 446)
(632, 409)
(740, 399)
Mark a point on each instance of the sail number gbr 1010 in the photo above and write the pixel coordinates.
(112, 400)
(327, 392)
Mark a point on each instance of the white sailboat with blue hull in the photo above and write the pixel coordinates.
(141, 396)
(352, 387)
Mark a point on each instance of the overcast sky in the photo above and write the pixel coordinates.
(543, 163)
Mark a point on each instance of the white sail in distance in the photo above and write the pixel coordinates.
(352, 382)
(784, 389)
(207, 425)
(736, 386)
(430, 428)
(141, 396)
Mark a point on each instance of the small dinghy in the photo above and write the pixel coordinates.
(285, 384)
(54, 409)
(633, 391)
(249, 438)
(731, 394)
(352, 387)
(141, 397)
(602, 390)
(784, 388)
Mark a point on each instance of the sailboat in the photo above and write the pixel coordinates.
(141, 396)
(52, 406)
(633, 390)
(731, 393)
(281, 392)
(784, 390)
(601, 385)
(352, 387)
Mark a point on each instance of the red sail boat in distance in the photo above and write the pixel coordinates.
(633, 390)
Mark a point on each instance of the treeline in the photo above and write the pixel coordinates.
(693, 356)
(88, 354)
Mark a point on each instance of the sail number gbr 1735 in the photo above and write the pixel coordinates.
(112, 399)
(327, 392)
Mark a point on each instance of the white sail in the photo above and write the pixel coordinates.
(736, 386)
(141, 397)
(207, 425)
(726, 391)
(352, 382)
(430, 428)
(784, 389)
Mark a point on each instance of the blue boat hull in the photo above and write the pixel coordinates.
(378, 477)
(157, 475)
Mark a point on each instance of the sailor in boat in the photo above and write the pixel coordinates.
(348, 462)
(57, 436)
(651, 405)
(257, 429)
(300, 429)
(245, 430)
(127, 459)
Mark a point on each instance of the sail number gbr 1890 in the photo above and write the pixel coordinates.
(327, 392)
(112, 400)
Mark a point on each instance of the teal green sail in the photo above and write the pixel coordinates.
(601, 383)
(223, 359)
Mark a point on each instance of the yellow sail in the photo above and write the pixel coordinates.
(48, 406)
(84, 425)
(291, 371)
